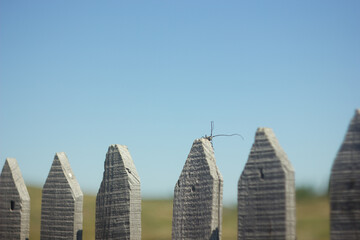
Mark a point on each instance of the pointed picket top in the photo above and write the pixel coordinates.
(351, 141)
(62, 201)
(68, 173)
(14, 203)
(345, 185)
(197, 207)
(118, 202)
(266, 141)
(12, 167)
(202, 152)
(266, 191)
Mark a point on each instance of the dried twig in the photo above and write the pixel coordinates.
(220, 135)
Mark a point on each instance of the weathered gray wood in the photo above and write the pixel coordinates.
(345, 186)
(118, 202)
(14, 203)
(62, 202)
(197, 207)
(266, 192)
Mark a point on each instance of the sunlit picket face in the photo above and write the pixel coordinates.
(118, 202)
(197, 210)
(62, 202)
(266, 192)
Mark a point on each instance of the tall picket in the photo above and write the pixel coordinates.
(345, 186)
(62, 203)
(118, 202)
(197, 207)
(266, 192)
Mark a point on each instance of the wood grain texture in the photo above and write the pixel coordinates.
(118, 202)
(345, 186)
(62, 203)
(266, 192)
(197, 207)
(14, 203)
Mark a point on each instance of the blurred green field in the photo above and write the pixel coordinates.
(312, 218)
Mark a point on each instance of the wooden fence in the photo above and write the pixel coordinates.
(266, 195)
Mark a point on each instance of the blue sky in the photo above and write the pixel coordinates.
(152, 75)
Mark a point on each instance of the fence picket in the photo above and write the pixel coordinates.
(118, 202)
(14, 203)
(62, 203)
(266, 192)
(345, 186)
(197, 209)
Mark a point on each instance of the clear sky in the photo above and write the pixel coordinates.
(77, 76)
